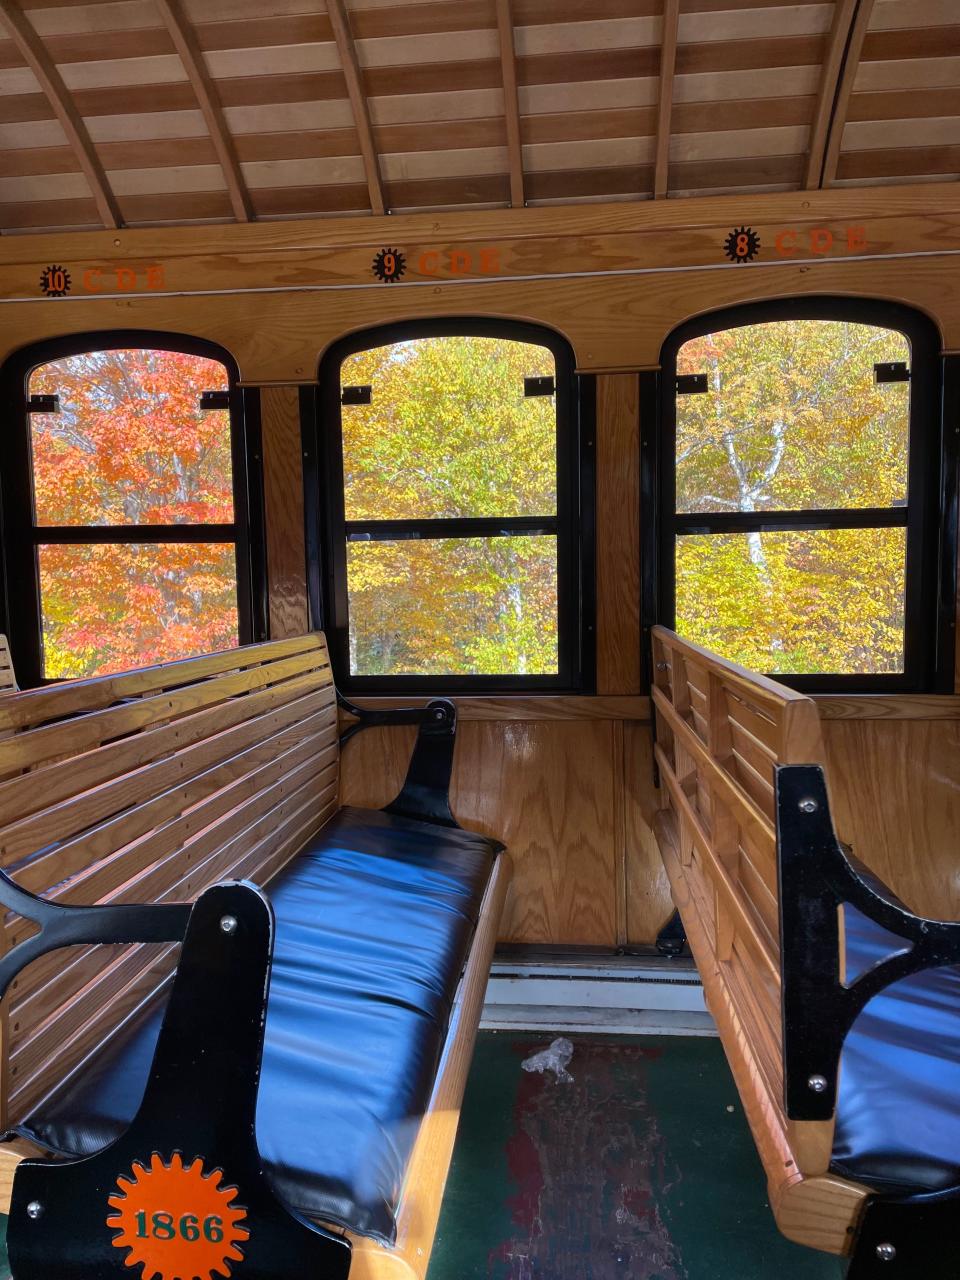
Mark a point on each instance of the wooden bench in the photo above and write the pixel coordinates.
(837, 1007)
(152, 787)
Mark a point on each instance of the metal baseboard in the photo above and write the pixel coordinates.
(600, 994)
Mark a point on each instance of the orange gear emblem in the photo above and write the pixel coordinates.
(177, 1222)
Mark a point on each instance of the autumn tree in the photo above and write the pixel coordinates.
(794, 420)
(130, 446)
(450, 433)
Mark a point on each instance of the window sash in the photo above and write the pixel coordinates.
(928, 637)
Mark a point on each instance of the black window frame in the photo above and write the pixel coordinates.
(21, 536)
(573, 524)
(930, 576)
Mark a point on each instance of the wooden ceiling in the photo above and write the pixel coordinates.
(140, 112)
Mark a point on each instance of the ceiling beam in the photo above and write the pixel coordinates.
(34, 53)
(851, 65)
(511, 102)
(845, 11)
(358, 102)
(668, 63)
(188, 47)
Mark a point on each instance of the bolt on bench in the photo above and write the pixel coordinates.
(140, 1124)
(838, 1008)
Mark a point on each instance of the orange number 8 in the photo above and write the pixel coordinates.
(743, 246)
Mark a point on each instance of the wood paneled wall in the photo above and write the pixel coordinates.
(570, 798)
(283, 510)
(895, 795)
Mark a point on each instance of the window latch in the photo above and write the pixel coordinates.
(43, 404)
(691, 384)
(356, 395)
(211, 400)
(895, 371)
(545, 386)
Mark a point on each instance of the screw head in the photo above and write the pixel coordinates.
(809, 805)
(228, 924)
(818, 1084)
(34, 1210)
(886, 1252)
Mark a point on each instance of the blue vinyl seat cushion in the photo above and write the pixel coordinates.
(898, 1106)
(374, 920)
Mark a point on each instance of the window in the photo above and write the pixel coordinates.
(799, 460)
(452, 537)
(125, 520)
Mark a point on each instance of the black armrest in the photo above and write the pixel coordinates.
(425, 794)
(815, 879)
(68, 926)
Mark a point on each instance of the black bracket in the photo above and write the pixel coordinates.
(541, 386)
(908, 1238)
(67, 926)
(356, 395)
(93, 1219)
(691, 384)
(815, 879)
(425, 794)
(213, 400)
(892, 371)
(672, 938)
(43, 404)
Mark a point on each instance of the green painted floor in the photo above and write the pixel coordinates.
(642, 1168)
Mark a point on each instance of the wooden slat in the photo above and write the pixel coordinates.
(511, 102)
(185, 42)
(844, 13)
(668, 61)
(851, 64)
(49, 740)
(76, 697)
(35, 55)
(48, 785)
(358, 101)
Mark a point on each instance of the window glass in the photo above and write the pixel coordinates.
(449, 431)
(464, 606)
(793, 418)
(130, 444)
(825, 601)
(108, 607)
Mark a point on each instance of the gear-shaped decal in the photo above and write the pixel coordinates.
(55, 281)
(742, 244)
(389, 265)
(176, 1221)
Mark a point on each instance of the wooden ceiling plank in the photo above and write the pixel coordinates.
(187, 46)
(848, 76)
(845, 11)
(358, 101)
(511, 101)
(668, 63)
(35, 54)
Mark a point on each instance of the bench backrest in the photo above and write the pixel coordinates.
(144, 787)
(721, 731)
